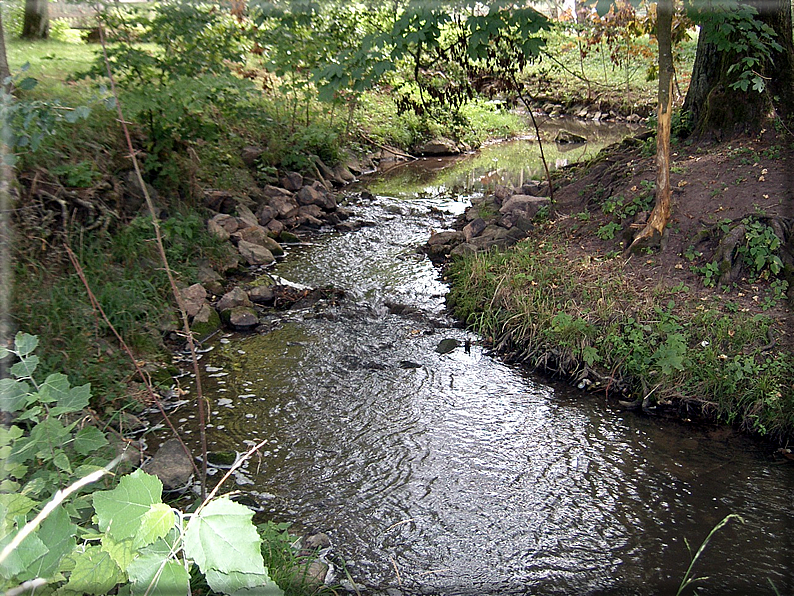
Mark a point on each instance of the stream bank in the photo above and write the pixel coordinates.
(437, 469)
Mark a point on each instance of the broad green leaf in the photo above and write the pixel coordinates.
(60, 534)
(75, 400)
(13, 394)
(121, 551)
(16, 505)
(120, 510)
(158, 576)
(222, 537)
(54, 388)
(25, 343)
(61, 461)
(25, 367)
(26, 555)
(155, 523)
(89, 439)
(249, 584)
(94, 572)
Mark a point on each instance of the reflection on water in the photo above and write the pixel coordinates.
(466, 475)
(510, 163)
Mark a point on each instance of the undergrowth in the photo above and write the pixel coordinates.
(575, 315)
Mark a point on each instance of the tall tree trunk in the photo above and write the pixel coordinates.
(652, 233)
(715, 109)
(5, 72)
(37, 20)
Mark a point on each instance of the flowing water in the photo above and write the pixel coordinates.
(437, 469)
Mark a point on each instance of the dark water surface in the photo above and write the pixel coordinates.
(452, 473)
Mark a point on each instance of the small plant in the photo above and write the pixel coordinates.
(607, 231)
(582, 216)
(80, 175)
(690, 254)
(710, 273)
(760, 248)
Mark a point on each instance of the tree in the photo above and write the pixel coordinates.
(37, 20)
(653, 230)
(5, 72)
(744, 65)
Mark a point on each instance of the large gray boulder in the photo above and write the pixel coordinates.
(526, 205)
(438, 146)
(193, 298)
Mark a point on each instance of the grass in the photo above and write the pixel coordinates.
(577, 315)
(595, 77)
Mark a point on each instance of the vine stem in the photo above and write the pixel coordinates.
(200, 400)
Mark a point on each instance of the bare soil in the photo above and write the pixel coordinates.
(715, 186)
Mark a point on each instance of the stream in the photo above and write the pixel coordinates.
(437, 469)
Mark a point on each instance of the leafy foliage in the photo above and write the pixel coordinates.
(137, 540)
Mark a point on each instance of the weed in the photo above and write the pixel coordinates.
(690, 254)
(710, 273)
(607, 231)
(760, 248)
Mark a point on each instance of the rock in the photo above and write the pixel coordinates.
(349, 226)
(251, 154)
(441, 238)
(240, 318)
(214, 228)
(255, 254)
(633, 118)
(206, 274)
(193, 298)
(133, 196)
(233, 298)
(229, 224)
(283, 205)
(246, 217)
(463, 250)
(275, 191)
(312, 210)
(309, 576)
(342, 172)
(525, 205)
(565, 137)
(260, 236)
(292, 181)
(327, 173)
(312, 195)
(317, 541)
(205, 322)
(445, 346)
(275, 227)
(262, 295)
(265, 214)
(171, 465)
(289, 238)
(502, 193)
(438, 146)
(474, 228)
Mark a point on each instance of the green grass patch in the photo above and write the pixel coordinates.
(565, 313)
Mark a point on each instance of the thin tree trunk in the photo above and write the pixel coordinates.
(5, 72)
(37, 20)
(651, 234)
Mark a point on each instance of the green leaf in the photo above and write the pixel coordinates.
(16, 505)
(249, 584)
(27, 84)
(25, 343)
(61, 461)
(94, 572)
(26, 555)
(13, 394)
(54, 388)
(121, 551)
(157, 576)
(222, 537)
(121, 510)
(60, 533)
(25, 367)
(74, 401)
(155, 523)
(89, 439)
